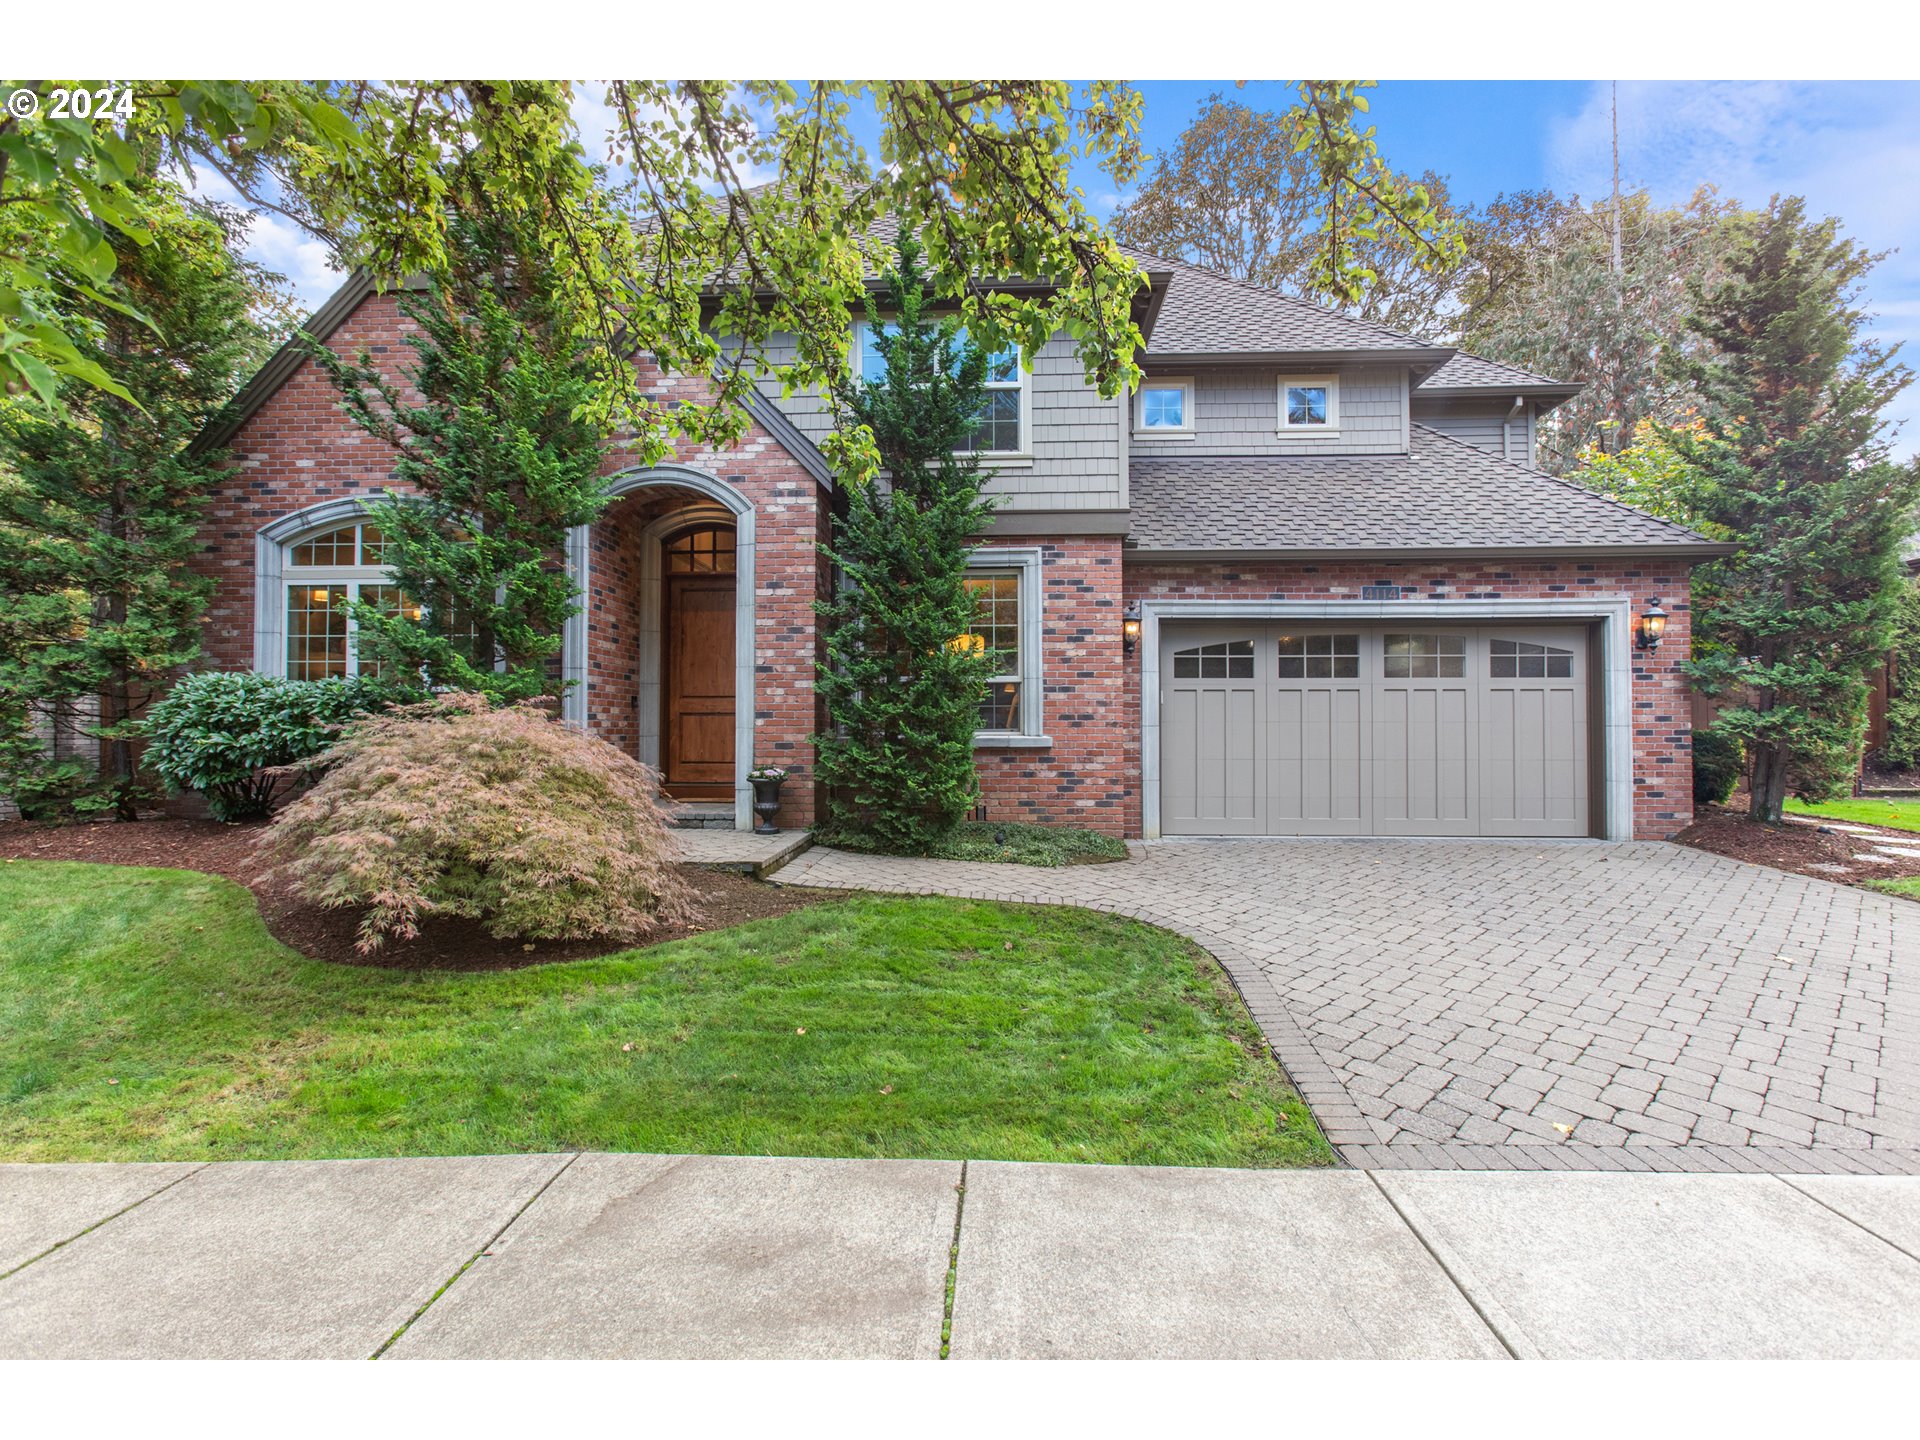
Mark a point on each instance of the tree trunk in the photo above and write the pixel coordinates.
(1769, 784)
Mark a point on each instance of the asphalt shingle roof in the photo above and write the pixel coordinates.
(1446, 495)
(1476, 372)
(1205, 313)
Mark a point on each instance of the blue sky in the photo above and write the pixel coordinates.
(1852, 149)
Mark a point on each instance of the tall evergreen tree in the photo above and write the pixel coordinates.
(499, 460)
(103, 508)
(1795, 468)
(902, 684)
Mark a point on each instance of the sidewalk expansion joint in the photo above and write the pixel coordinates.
(62, 1244)
(1496, 1321)
(1787, 1180)
(393, 1339)
(953, 1264)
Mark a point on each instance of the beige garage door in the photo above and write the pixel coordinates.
(1387, 730)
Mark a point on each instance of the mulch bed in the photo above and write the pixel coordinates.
(1801, 848)
(1873, 778)
(724, 898)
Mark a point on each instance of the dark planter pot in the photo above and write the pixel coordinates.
(766, 804)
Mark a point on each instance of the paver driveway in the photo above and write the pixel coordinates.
(1534, 1004)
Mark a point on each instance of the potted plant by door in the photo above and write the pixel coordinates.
(765, 780)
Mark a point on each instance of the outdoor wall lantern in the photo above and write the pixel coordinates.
(1130, 627)
(1653, 624)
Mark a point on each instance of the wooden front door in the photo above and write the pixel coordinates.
(698, 694)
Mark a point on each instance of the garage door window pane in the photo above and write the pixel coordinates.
(1319, 657)
(1223, 660)
(1524, 660)
(1426, 657)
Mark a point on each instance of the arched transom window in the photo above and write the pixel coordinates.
(325, 574)
(708, 550)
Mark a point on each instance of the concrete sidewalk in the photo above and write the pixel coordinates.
(598, 1255)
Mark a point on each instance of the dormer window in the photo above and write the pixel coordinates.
(1163, 408)
(1309, 404)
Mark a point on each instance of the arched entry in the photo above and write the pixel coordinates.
(724, 504)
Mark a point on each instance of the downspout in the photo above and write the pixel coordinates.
(1506, 427)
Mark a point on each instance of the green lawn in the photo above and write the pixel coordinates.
(1895, 814)
(1909, 887)
(147, 1015)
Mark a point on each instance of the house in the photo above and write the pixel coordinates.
(1305, 581)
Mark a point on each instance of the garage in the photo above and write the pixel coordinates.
(1283, 728)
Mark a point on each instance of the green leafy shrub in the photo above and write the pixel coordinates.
(233, 736)
(1717, 766)
(505, 816)
(60, 790)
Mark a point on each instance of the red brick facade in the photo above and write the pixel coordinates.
(1091, 775)
(297, 450)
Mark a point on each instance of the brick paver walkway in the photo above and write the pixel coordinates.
(1533, 1005)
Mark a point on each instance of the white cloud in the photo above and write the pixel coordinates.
(1853, 150)
(277, 243)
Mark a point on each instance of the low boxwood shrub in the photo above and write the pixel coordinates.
(501, 815)
(232, 735)
(1718, 763)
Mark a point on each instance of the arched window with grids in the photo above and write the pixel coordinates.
(705, 550)
(323, 576)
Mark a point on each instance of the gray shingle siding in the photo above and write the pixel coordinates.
(1075, 439)
(1237, 412)
(1488, 425)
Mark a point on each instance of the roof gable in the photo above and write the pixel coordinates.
(1203, 313)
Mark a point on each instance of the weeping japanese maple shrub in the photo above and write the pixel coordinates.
(498, 814)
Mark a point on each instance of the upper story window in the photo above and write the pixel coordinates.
(1003, 425)
(1163, 408)
(324, 575)
(1309, 404)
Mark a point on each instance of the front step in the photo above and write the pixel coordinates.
(703, 815)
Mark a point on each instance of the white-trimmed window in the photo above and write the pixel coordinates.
(1005, 584)
(323, 576)
(1005, 418)
(1309, 404)
(1163, 408)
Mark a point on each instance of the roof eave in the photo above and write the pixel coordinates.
(1390, 356)
(1676, 550)
(1556, 393)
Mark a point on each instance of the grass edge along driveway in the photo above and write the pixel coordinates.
(150, 1016)
(1897, 813)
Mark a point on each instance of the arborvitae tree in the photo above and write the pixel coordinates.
(1796, 470)
(502, 457)
(102, 511)
(902, 685)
